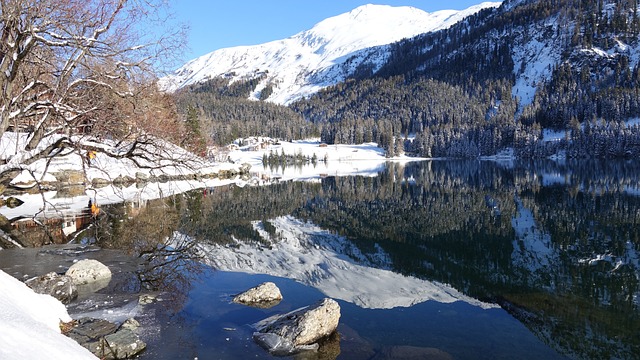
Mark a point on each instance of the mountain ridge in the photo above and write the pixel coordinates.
(324, 55)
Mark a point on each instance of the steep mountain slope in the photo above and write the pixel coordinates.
(324, 55)
(525, 67)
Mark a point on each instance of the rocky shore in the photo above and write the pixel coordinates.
(74, 181)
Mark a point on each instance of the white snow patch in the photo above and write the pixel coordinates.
(30, 325)
(534, 57)
(332, 160)
(159, 158)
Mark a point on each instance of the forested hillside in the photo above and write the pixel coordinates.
(225, 113)
(496, 80)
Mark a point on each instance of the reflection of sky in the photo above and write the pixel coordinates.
(211, 324)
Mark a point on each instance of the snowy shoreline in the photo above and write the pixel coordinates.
(31, 325)
(32, 316)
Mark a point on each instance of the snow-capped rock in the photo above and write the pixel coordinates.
(322, 56)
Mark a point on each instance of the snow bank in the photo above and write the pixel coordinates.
(30, 325)
(50, 204)
(332, 160)
(153, 158)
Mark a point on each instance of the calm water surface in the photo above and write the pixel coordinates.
(472, 260)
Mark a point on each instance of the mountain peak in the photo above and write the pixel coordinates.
(324, 55)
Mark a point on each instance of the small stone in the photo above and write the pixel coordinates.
(13, 202)
(123, 344)
(146, 299)
(263, 295)
(60, 287)
(131, 324)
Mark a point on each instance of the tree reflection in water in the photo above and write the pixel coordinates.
(556, 244)
(151, 231)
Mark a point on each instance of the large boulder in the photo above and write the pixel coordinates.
(60, 287)
(298, 330)
(265, 295)
(90, 274)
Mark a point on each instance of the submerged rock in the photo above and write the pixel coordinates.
(265, 295)
(88, 331)
(122, 344)
(106, 340)
(60, 287)
(88, 271)
(298, 330)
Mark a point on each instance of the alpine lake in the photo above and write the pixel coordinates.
(430, 259)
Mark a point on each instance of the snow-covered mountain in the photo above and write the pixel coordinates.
(332, 264)
(322, 56)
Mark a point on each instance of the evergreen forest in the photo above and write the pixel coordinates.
(454, 93)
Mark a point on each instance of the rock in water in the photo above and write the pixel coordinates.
(13, 202)
(265, 295)
(60, 287)
(89, 271)
(124, 344)
(105, 340)
(298, 330)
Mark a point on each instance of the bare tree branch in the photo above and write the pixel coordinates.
(67, 66)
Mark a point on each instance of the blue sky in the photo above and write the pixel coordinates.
(226, 23)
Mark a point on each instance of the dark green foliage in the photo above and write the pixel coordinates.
(446, 119)
(266, 92)
(452, 89)
(194, 139)
(227, 114)
(283, 160)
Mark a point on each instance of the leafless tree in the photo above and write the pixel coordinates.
(69, 67)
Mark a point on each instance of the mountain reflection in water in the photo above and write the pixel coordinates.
(418, 257)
